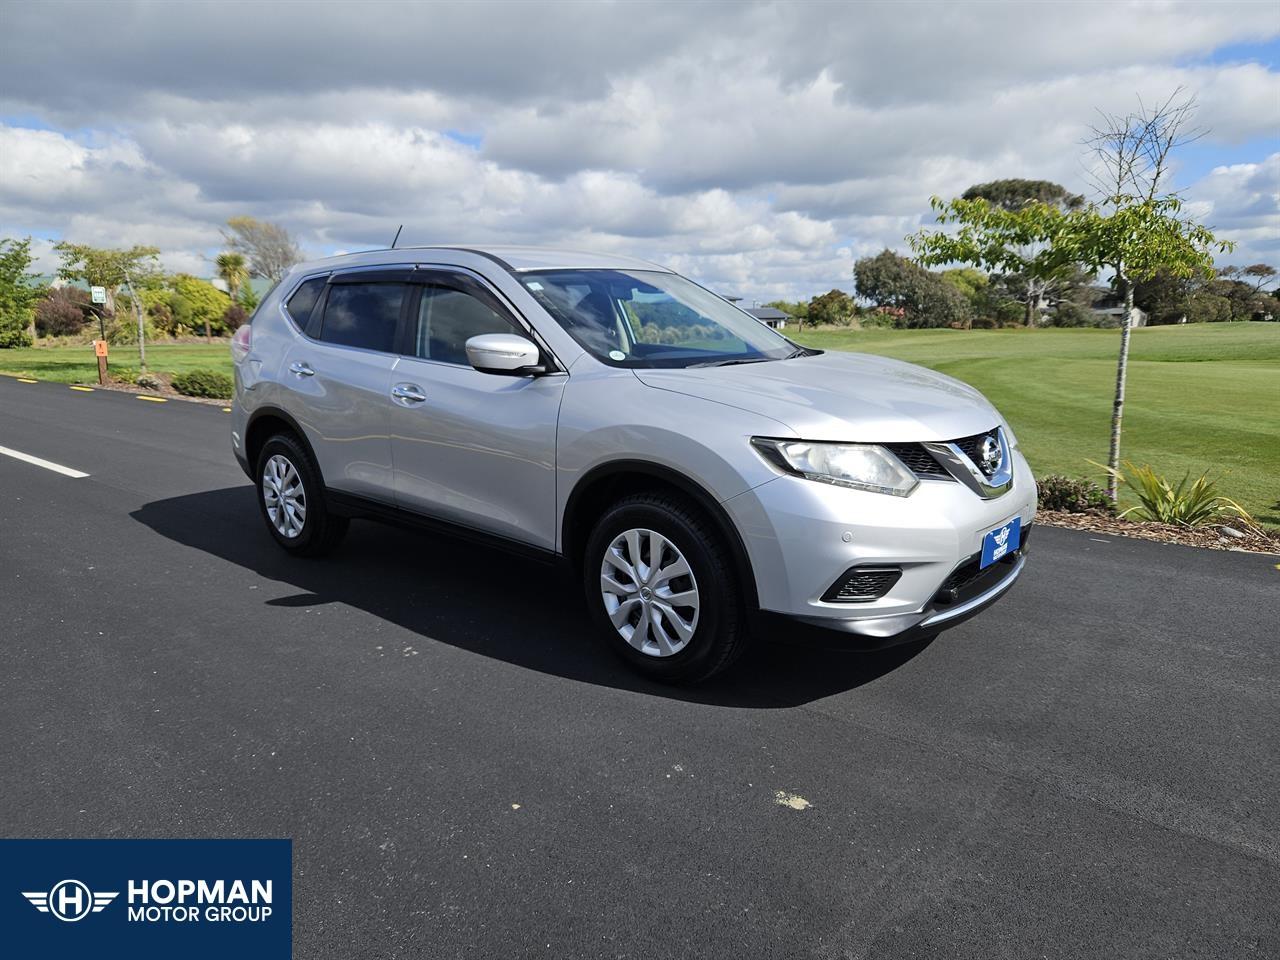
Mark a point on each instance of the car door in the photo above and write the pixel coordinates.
(339, 378)
(472, 448)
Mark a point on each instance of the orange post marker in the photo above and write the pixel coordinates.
(100, 351)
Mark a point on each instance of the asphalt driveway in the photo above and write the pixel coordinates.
(1091, 768)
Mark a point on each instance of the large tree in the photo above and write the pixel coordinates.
(1014, 194)
(203, 303)
(269, 247)
(1137, 227)
(1257, 275)
(833, 308)
(1004, 228)
(101, 267)
(922, 299)
(19, 292)
(135, 268)
(1247, 302)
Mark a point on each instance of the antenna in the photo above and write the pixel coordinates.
(398, 229)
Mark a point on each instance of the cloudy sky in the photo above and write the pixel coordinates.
(760, 148)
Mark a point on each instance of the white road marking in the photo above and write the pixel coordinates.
(47, 464)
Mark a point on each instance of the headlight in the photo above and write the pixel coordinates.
(862, 466)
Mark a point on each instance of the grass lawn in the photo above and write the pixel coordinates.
(78, 364)
(1202, 396)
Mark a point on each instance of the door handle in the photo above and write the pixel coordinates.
(301, 369)
(408, 392)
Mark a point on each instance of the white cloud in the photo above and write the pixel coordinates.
(759, 147)
(1241, 202)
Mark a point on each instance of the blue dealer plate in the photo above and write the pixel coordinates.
(1001, 541)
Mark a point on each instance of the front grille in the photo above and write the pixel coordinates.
(922, 463)
(919, 461)
(862, 584)
(972, 447)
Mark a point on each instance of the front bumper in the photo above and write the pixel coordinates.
(876, 633)
(802, 537)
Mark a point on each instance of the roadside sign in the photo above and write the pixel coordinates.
(100, 351)
(98, 295)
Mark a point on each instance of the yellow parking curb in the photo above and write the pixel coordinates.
(26, 380)
(226, 409)
(143, 396)
(83, 389)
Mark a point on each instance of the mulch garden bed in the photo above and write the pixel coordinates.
(1212, 536)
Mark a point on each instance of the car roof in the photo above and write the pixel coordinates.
(514, 258)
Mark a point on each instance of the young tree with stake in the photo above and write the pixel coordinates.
(1137, 228)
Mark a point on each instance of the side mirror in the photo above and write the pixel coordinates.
(504, 353)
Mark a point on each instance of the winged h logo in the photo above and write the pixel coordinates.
(1002, 536)
(70, 900)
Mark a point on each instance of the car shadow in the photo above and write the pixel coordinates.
(488, 602)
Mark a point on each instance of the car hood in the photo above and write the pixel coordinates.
(853, 397)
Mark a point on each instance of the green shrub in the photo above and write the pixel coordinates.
(1186, 505)
(1073, 495)
(14, 337)
(203, 383)
(202, 303)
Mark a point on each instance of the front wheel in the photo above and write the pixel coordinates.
(291, 497)
(662, 589)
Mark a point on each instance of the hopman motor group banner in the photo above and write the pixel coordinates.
(146, 898)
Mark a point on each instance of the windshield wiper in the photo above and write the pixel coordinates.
(729, 363)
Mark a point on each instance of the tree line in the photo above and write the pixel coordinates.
(891, 290)
(141, 299)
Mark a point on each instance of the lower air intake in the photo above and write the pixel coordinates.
(862, 584)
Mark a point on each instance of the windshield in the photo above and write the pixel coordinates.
(642, 318)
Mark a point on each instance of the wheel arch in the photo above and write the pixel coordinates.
(609, 482)
(264, 423)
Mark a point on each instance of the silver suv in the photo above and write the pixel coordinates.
(707, 478)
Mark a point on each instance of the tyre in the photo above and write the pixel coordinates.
(291, 498)
(662, 590)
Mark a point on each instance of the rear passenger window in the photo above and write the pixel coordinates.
(447, 318)
(363, 315)
(303, 299)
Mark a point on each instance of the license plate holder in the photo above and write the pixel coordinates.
(1000, 542)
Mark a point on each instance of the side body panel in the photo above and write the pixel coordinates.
(344, 407)
(608, 415)
(479, 450)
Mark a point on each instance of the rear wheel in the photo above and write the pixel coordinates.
(662, 589)
(291, 498)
